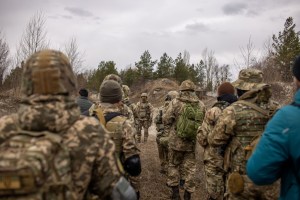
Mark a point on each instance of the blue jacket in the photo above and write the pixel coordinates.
(277, 154)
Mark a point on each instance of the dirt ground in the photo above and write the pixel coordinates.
(153, 183)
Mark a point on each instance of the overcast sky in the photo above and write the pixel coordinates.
(121, 30)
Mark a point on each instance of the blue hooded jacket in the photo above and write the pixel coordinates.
(277, 154)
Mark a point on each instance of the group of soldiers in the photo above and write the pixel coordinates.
(228, 134)
(49, 150)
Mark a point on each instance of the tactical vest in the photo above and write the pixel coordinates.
(249, 124)
(144, 111)
(114, 126)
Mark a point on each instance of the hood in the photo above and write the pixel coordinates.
(47, 112)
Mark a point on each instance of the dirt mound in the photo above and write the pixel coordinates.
(156, 90)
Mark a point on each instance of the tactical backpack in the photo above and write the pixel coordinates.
(113, 123)
(35, 165)
(189, 120)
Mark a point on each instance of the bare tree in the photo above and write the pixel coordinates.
(186, 57)
(4, 59)
(248, 57)
(209, 62)
(33, 38)
(76, 58)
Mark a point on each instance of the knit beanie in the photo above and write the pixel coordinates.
(110, 92)
(296, 68)
(225, 88)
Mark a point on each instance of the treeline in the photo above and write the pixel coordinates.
(207, 73)
(275, 61)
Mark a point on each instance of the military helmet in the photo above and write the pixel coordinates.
(249, 79)
(187, 85)
(172, 95)
(48, 72)
(113, 77)
(144, 95)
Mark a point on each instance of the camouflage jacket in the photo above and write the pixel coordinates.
(238, 125)
(158, 120)
(125, 143)
(123, 108)
(144, 111)
(93, 164)
(170, 118)
(210, 120)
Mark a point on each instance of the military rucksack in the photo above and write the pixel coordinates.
(35, 165)
(189, 120)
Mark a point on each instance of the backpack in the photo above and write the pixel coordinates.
(189, 120)
(35, 165)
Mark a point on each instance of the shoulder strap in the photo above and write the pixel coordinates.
(111, 115)
(255, 107)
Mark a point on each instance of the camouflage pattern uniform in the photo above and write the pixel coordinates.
(143, 111)
(46, 106)
(238, 125)
(119, 126)
(125, 143)
(161, 137)
(213, 161)
(181, 151)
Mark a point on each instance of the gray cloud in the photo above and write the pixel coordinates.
(197, 27)
(67, 16)
(79, 12)
(234, 8)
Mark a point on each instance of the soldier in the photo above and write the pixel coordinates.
(83, 102)
(181, 120)
(143, 111)
(47, 111)
(161, 137)
(120, 129)
(239, 124)
(213, 161)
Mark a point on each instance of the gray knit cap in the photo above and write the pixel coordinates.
(110, 92)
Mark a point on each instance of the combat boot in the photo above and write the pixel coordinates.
(187, 195)
(175, 193)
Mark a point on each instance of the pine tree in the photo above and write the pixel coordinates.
(181, 71)
(165, 67)
(286, 47)
(145, 66)
(97, 76)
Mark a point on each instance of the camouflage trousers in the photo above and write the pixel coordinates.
(253, 192)
(182, 164)
(214, 173)
(162, 154)
(142, 124)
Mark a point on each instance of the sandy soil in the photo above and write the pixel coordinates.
(153, 183)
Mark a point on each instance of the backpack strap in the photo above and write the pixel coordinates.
(255, 107)
(111, 115)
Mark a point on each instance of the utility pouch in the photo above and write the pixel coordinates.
(235, 183)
